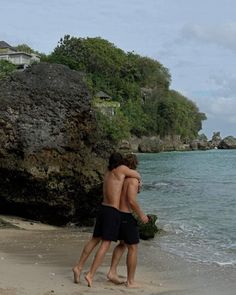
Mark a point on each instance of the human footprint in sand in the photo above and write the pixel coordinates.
(107, 224)
(129, 235)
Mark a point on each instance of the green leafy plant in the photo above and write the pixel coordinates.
(6, 68)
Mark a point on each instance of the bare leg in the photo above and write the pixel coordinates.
(88, 248)
(131, 265)
(116, 256)
(97, 261)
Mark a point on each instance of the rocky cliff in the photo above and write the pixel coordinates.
(51, 159)
(228, 142)
(155, 144)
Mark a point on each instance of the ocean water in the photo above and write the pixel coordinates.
(194, 196)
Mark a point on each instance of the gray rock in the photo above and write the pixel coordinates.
(150, 145)
(6, 224)
(153, 144)
(51, 158)
(216, 139)
(228, 142)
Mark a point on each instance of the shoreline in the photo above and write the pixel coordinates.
(36, 259)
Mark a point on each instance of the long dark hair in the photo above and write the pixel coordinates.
(131, 161)
(115, 160)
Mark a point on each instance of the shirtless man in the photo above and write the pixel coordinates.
(129, 235)
(108, 220)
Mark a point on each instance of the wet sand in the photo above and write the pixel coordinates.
(36, 259)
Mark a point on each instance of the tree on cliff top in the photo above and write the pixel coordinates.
(123, 76)
(109, 68)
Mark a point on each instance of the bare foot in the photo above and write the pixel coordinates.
(114, 279)
(76, 271)
(89, 279)
(132, 285)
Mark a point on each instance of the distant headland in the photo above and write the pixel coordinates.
(155, 144)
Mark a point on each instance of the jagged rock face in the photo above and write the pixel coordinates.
(51, 160)
(153, 144)
(228, 142)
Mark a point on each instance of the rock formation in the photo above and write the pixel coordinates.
(228, 142)
(216, 139)
(154, 144)
(51, 158)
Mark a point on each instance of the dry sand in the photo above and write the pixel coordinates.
(36, 259)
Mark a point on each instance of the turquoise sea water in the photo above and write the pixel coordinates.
(194, 196)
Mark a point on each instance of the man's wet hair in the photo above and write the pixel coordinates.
(131, 161)
(115, 160)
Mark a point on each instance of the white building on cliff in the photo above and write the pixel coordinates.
(19, 58)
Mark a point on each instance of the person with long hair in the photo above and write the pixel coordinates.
(129, 234)
(107, 223)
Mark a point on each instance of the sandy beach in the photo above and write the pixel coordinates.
(36, 259)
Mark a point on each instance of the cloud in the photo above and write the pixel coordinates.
(224, 106)
(218, 101)
(221, 115)
(220, 108)
(224, 85)
(223, 35)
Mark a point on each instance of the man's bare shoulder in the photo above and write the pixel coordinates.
(122, 167)
(131, 180)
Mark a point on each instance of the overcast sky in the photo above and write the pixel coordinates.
(194, 39)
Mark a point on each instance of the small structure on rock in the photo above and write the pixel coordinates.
(104, 103)
(19, 58)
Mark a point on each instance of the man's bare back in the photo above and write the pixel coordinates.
(128, 199)
(113, 183)
(124, 200)
(106, 222)
(128, 227)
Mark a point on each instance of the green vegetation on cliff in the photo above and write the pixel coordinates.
(140, 84)
(6, 68)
